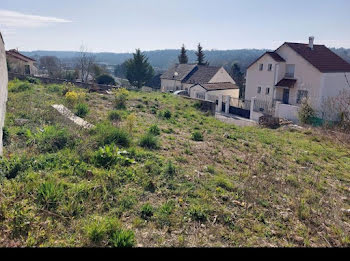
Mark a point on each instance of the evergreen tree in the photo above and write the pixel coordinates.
(200, 56)
(138, 70)
(183, 59)
(238, 76)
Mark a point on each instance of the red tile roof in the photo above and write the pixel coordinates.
(321, 58)
(14, 53)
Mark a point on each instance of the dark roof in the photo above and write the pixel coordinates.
(14, 53)
(219, 86)
(286, 83)
(276, 57)
(321, 57)
(202, 74)
(273, 55)
(182, 71)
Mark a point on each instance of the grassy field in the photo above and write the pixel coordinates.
(159, 172)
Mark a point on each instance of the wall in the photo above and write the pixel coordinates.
(264, 79)
(18, 66)
(308, 77)
(170, 85)
(234, 93)
(197, 90)
(288, 112)
(222, 76)
(3, 88)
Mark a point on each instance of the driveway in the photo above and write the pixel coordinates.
(234, 119)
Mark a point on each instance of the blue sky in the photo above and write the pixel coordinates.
(123, 25)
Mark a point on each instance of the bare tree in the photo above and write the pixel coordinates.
(84, 63)
(51, 64)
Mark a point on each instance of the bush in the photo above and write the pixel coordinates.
(306, 113)
(52, 139)
(81, 110)
(154, 130)
(110, 155)
(108, 134)
(170, 169)
(149, 141)
(167, 114)
(114, 116)
(197, 136)
(146, 211)
(71, 97)
(33, 80)
(20, 87)
(105, 79)
(55, 88)
(49, 194)
(121, 96)
(123, 238)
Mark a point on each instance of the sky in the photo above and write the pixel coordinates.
(124, 25)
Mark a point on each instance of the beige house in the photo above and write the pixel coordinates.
(199, 81)
(3, 87)
(19, 63)
(296, 71)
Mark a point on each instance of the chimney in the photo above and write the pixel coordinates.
(311, 42)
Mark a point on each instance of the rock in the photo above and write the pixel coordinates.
(21, 122)
(346, 212)
(299, 240)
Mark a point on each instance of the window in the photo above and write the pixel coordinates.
(302, 95)
(261, 67)
(270, 68)
(200, 95)
(267, 91)
(290, 69)
(259, 90)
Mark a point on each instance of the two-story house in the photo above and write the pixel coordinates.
(295, 71)
(199, 81)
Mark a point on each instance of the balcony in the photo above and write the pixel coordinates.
(289, 75)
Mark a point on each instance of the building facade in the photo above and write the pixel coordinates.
(3, 88)
(297, 71)
(19, 63)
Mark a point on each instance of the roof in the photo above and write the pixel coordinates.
(219, 86)
(202, 74)
(14, 53)
(182, 71)
(273, 55)
(321, 58)
(286, 83)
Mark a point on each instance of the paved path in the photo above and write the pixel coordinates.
(234, 119)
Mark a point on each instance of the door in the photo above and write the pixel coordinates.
(27, 69)
(285, 96)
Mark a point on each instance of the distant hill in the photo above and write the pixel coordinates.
(163, 59)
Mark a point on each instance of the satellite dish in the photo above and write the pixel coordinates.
(176, 74)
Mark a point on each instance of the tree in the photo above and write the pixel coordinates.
(139, 71)
(105, 79)
(200, 56)
(84, 63)
(51, 64)
(120, 70)
(238, 76)
(183, 58)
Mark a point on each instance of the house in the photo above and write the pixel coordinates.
(19, 63)
(3, 87)
(199, 81)
(296, 71)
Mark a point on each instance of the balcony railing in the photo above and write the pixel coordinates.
(289, 75)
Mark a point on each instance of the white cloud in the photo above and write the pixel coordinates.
(11, 19)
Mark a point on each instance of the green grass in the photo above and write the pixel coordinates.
(109, 187)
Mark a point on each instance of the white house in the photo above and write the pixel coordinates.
(295, 71)
(199, 81)
(3, 87)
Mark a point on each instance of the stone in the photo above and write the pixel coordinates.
(21, 122)
(72, 117)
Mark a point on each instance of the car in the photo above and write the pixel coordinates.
(181, 93)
